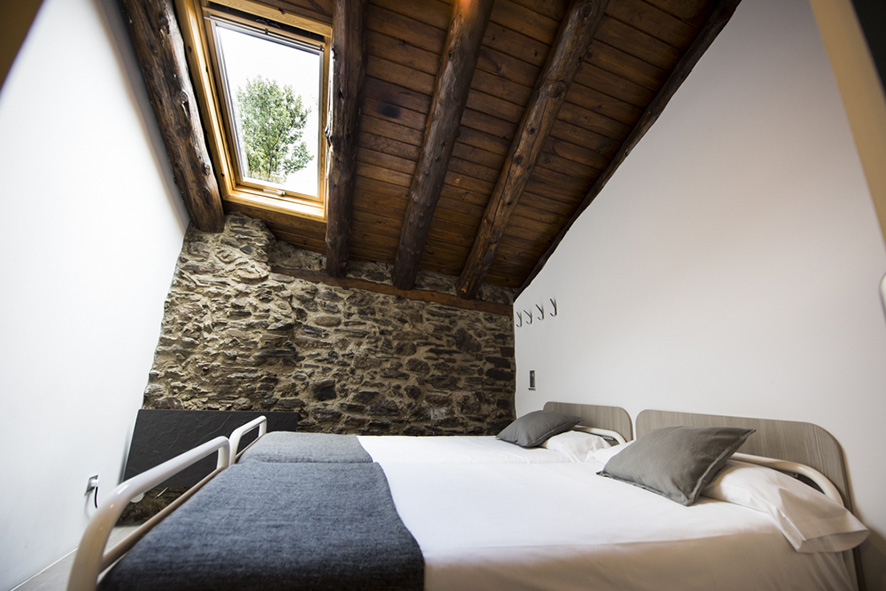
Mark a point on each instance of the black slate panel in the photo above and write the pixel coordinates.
(163, 434)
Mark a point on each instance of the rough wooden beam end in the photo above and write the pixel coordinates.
(160, 51)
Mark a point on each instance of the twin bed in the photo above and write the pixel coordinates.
(303, 511)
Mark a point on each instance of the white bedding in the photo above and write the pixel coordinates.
(559, 526)
(387, 449)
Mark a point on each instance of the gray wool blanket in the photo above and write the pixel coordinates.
(289, 446)
(271, 526)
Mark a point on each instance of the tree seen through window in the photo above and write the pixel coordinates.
(273, 90)
(273, 120)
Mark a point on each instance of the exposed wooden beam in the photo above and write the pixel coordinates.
(347, 83)
(853, 59)
(17, 20)
(718, 18)
(161, 54)
(444, 299)
(453, 83)
(565, 58)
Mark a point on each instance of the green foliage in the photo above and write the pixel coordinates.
(273, 121)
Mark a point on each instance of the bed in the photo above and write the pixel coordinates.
(602, 426)
(548, 525)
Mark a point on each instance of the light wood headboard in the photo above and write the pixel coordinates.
(786, 440)
(614, 418)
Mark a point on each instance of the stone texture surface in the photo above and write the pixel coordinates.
(238, 336)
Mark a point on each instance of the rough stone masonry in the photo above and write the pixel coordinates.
(238, 336)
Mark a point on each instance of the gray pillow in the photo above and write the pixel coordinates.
(535, 428)
(676, 462)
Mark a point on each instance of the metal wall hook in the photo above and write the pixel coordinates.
(527, 316)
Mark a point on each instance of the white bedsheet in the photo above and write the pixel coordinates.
(461, 449)
(559, 526)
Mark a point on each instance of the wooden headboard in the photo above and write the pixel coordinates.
(786, 440)
(614, 418)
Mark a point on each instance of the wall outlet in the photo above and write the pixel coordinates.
(92, 487)
(532, 379)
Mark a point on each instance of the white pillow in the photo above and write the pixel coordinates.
(576, 445)
(606, 454)
(810, 521)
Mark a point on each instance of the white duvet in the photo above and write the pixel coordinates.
(559, 526)
(386, 449)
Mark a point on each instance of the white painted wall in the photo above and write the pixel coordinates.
(731, 266)
(92, 227)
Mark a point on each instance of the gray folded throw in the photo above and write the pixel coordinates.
(288, 446)
(273, 526)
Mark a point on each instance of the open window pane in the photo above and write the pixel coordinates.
(272, 88)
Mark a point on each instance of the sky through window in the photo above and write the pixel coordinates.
(248, 56)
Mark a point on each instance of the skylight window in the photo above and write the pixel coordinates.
(262, 83)
(272, 92)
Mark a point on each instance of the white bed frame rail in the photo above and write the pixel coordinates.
(260, 422)
(821, 482)
(91, 559)
(605, 433)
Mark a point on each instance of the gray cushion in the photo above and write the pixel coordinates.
(676, 462)
(535, 428)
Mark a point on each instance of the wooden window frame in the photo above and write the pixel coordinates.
(193, 18)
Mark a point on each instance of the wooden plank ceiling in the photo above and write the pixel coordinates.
(639, 53)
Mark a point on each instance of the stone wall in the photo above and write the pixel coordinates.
(238, 336)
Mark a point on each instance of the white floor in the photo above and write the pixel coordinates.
(55, 578)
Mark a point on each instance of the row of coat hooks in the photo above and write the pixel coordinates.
(527, 316)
